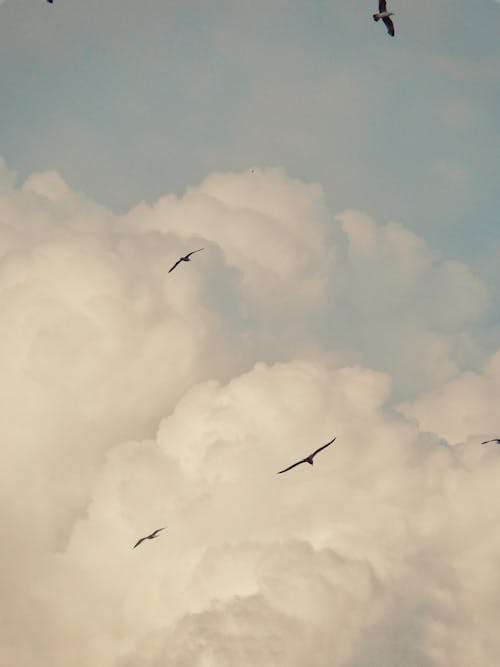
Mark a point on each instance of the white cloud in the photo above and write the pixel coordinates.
(394, 269)
(258, 569)
(396, 305)
(268, 227)
(95, 343)
(389, 299)
(127, 407)
(466, 407)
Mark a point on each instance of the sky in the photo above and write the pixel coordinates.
(344, 188)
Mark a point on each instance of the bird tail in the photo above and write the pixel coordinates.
(376, 17)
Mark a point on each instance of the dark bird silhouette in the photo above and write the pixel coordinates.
(149, 537)
(308, 459)
(385, 16)
(186, 258)
(51, 1)
(497, 440)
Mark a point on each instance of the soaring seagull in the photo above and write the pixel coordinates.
(497, 440)
(186, 258)
(385, 16)
(308, 459)
(149, 537)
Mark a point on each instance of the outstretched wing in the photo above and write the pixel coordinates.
(294, 465)
(382, 6)
(389, 25)
(494, 440)
(158, 530)
(137, 543)
(176, 264)
(323, 447)
(193, 251)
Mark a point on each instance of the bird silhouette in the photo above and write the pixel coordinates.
(149, 537)
(497, 440)
(308, 459)
(385, 16)
(186, 258)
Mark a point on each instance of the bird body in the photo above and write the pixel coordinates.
(186, 258)
(308, 459)
(149, 537)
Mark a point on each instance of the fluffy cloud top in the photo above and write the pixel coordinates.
(393, 301)
(133, 398)
(269, 228)
(464, 406)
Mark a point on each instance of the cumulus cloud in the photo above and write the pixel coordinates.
(378, 294)
(312, 568)
(269, 229)
(477, 394)
(135, 399)
(393, 301)
(95, 343)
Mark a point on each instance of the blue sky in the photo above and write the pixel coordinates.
(131, 100)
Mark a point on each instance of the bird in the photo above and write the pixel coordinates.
(497, 440)
(385, 16)
(149, 537)
(307, 459)
(186, 258)
(51, 1)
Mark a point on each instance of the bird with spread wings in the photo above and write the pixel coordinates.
(385, 16)
(186, 258)
(497, 440)
(149, 537)
(308, 459)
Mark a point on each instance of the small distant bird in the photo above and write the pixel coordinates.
(497, 440)
(308, 459)
(385, 16)
(149, 537)
(186, 258)
(51, 1)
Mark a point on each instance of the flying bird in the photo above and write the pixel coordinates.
(186, 258)
(308, 459)
(497, 440)
(385, 16)
(149, 537)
